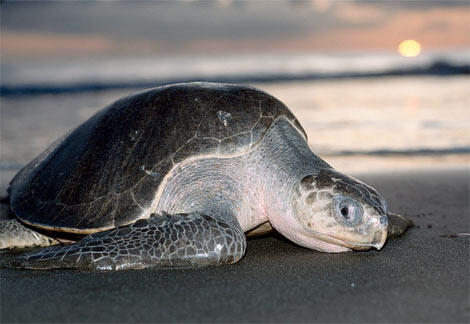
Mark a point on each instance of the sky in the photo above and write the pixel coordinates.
(55, 29)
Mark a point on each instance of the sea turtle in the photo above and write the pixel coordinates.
(175, 176)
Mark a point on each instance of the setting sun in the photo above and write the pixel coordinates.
(409, 48)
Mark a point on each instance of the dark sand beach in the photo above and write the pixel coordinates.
(420, 277)
(394, 119)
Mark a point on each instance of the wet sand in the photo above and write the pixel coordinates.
(397, 114)
(421, 277)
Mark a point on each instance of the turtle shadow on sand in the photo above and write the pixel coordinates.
(175, 176)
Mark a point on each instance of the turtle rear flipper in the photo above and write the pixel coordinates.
(182, 240)
(13, 234)
(397, 225)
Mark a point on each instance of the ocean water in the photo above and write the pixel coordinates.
(376, 105)
(114, 72)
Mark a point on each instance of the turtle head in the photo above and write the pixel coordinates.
(332, 212)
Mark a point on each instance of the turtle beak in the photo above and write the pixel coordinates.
(380, 235)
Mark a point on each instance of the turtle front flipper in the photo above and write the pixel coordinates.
(397, 225)
(181, 240)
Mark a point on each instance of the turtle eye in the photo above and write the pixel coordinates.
(347, 210)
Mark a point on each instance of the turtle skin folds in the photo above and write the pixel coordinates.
(182, 240)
